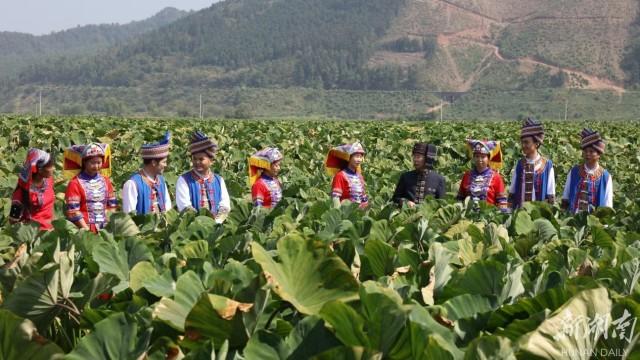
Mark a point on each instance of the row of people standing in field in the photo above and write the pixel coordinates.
(90, 195)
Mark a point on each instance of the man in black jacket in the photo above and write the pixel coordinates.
(415, 185)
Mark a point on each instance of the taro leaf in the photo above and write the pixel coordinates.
(161, 284)
(440, 257)
(265, 345)
(429, 339)
(174, 311)
(136, 251)
(208, 352)
(121, 225)
(482, 278)
(37, 296)
(116, 258)
(19, 340)
(466, 305)
(198, 249)
(513, 283)
(112, 259)
(526, 307)
(522, 223)
(381, 231)
(27, 233)
(309, 337)
(544, 230)
(217, 318)
(346, 322)
(553, 339)
(234, 278)
(380, 257)
(602, 239)
(116, 337)
(140, 273)
(490, 348)
(384, 314)
(306, 276)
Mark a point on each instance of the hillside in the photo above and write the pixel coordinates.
(436, 45)
(19, 50)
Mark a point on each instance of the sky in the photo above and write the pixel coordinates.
(40, 17)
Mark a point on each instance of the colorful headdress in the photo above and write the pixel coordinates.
(487, 147)
(338, 157)
(36, 160)
(201, 143)
(262, 160)
(593, 139)
(157, 150)
(74, 156)
(533, 128)
(430, 152)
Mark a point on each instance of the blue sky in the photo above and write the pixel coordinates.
(44, 16)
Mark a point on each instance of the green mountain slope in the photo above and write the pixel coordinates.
(19, 50)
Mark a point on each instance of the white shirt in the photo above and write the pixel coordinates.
(183, 197)
(551, 181)
(130, 197)
(608, 192)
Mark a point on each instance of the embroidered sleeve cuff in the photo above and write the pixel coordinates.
(74, 218)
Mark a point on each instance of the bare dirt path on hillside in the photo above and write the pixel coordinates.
(479, 36)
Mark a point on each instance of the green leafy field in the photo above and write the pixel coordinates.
(309, 280)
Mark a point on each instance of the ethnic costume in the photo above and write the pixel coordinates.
(587, 189)
(347, 184)
(266, 191)
(532, 180)
(203, 191)
(142, 193)
(30, 202)
(486, 185)
(415, 185)
(88, 197)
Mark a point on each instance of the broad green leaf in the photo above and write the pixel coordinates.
(121, 225)
(380, 257)
(174, 311)
(116, 337)
(19, 340)
(112, 259)
(217, 318)
(466, 305)
(522, 223)
(305, 275)
(140, 273)
(490, 348)
(346, 322)
(566, 331)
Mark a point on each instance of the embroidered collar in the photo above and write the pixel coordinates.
(266, 177)
(534, 160)
(147, 177)
(349, 171)
(594, 174)
(201, 176)
(483, 172)
(591, 171)
(84, 176)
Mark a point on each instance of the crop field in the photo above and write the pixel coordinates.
(311, 280)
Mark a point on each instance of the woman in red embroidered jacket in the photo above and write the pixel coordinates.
(483, 182)
(344, 164)
(89, 197)
(266, 188)
(33, 198)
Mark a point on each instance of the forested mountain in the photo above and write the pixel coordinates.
(254, 42)
(18, 50)
(436, 45)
